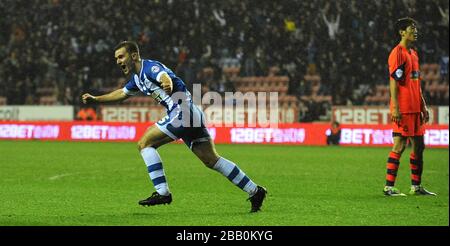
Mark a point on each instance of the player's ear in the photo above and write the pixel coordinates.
(134, 56)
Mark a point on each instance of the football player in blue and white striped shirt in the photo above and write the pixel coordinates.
(184, 120)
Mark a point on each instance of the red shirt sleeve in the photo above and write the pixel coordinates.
(397, 65)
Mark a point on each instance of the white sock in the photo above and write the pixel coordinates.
(235, 175)
(155, 170)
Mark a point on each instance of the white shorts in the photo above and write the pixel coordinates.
(185, 121)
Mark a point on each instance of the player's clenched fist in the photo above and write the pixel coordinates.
(396, 116)
(86, 97)
(424, 116)
(166, 85)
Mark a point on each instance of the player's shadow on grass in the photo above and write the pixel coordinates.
(191, 213)
(146, 217)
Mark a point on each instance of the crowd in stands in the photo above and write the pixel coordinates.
(332, 52)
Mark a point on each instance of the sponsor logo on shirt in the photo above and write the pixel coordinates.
(399, 73)
(155, 69)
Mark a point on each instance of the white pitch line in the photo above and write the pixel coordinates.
(61, 175)
(75, 173)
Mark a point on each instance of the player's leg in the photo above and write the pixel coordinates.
(416, 160)
(207, 153)
(393, 164)
(416, 164)
(147, 145)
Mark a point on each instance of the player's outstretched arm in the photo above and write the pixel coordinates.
(115, 96)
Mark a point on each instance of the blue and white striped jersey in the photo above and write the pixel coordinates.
(148, 82)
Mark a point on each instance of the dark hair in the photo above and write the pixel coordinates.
(130, 46)
(403, 23)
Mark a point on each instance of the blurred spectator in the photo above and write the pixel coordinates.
(333, 25)
(444, 15)
(86, 113)
(289, 25)
(69, 42)
(443, 63)
(334, 134)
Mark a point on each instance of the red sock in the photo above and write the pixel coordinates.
(416, 169)
(392, 168)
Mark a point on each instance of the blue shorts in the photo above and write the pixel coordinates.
(187, 122)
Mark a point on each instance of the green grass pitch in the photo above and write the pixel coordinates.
(81, 183)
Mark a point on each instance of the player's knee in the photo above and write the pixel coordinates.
(420, 147)
(209, 161)
(398, 148)
(142, 145)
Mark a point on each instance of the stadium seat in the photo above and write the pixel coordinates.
(382, 90)
(255, 85)
(369, 100)
(48, 100)
(243, 84)
(274, 70)
(105, 90)
(140, 101)
(235, 71)
(434, 67)
(236, 82)
(384, 99)
(279, 84)
(305, 98)
(313, 79)
(379, 88)
(431, 76)
(328, 99)
(288, 101)
(446, 94)
(146, 101)
(227, 71)
(424, 69)
(433, 86)
(133, 101)
(430, 72)
(231, 72)
(315, 89)
(284, 79)
(442, 87)
(208, 72)
(45, 91)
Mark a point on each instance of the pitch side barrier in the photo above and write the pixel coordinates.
(287, 134)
